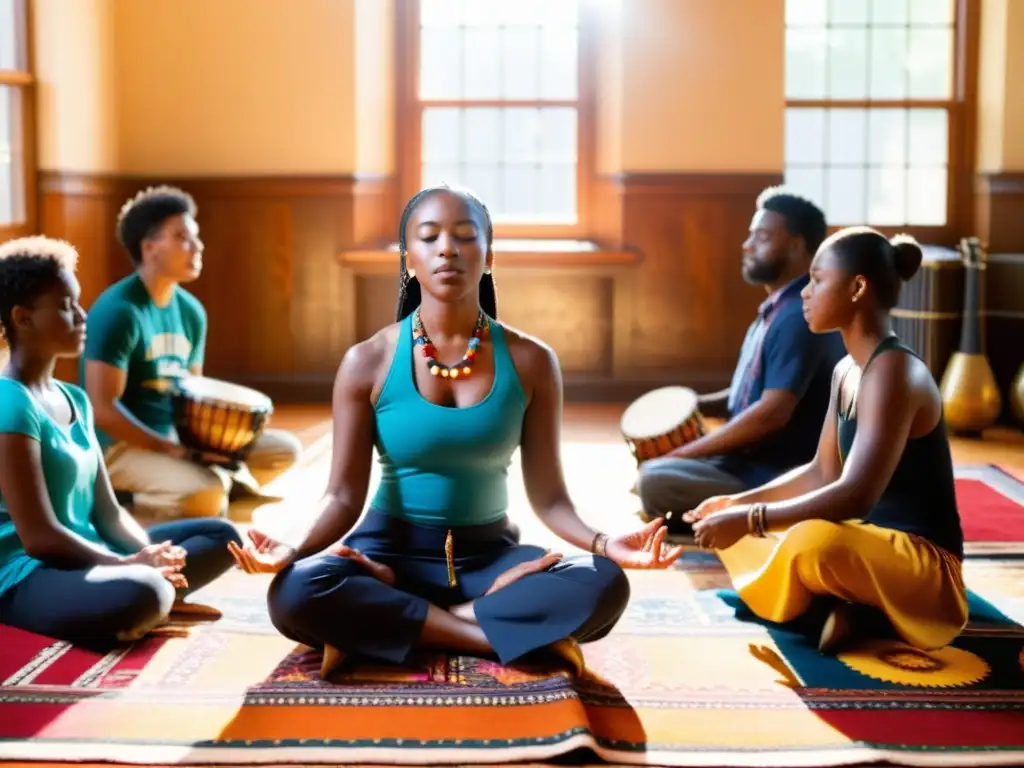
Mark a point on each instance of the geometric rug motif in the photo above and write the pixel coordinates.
(688, 677)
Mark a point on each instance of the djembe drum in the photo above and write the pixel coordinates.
(661, 420)
(213, 416)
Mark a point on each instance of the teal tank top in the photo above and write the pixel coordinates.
(446, 466)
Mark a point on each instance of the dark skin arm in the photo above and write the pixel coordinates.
(105, 385)
(112, 521)
(894, 402)
(540, 448)
(823, 469)
(352, 455)
(887, 406)
(714, 404)
(769, 414)
(28, 502)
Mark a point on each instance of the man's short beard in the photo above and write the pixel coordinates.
(763, 273)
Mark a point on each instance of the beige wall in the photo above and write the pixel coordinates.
(703, 85)
(250, 87)
(1001, 87)
(74, 64)
(374, 84)
(197, 87)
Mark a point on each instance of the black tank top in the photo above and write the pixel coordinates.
(920, 498)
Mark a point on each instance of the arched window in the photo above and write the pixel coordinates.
(17, 204)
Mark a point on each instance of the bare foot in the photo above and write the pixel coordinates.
(465, 610)
(197, 610)
(837, 630)
(379, 571)
(516, 572)
(332, 660)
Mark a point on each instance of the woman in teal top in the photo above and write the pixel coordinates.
(446, 395)
(74, 565)
(866, 536)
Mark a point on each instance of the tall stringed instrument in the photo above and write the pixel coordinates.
(970, 395)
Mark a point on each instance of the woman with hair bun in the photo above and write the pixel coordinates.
(861, 534)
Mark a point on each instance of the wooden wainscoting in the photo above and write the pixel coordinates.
(999, 211)
(272, 287)
(656, 298)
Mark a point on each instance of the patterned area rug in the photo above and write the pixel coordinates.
(684, 680)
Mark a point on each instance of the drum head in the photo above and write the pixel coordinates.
(214, 390)
(658, 412)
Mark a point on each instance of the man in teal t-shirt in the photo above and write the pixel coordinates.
(144, 333)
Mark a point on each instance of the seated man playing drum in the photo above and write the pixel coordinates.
(780, 388)
(145, 333)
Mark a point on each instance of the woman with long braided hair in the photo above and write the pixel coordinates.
(447, 394)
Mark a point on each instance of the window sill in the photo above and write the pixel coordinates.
(518, 255)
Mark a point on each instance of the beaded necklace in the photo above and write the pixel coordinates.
(462, 368)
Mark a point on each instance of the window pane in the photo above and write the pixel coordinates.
(929, 137)
(557, 199)
(442, 135)
(522, 135)
(442, 13)
(802, 13)
(809, 182)
(805, 63)
(805, 136)
(932, 11)
(431, 175)
(481, 135)
(926, 196)
(483, 13)
(561, 13)
(848, 12)
(12, 158)
(847, 196)
(847, 136)
(12, 36)
(484, 181)
(848, 63)
(557, 136)
(441, 63)
(887, 195)
(521, 62)
(889, 12)
(521, 188)
(888, 63)
(559, 61)
(482, 63)
(888, 137)
(930, 60)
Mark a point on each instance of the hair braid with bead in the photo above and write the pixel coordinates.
(409, 291)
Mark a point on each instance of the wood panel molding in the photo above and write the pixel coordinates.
(300, 268)
(999, 211)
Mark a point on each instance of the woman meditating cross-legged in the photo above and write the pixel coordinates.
(871, 524)
(74, 565)
(447, 394)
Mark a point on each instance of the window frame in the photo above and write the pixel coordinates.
(24, 82)
(961, 139)
(409, 111)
